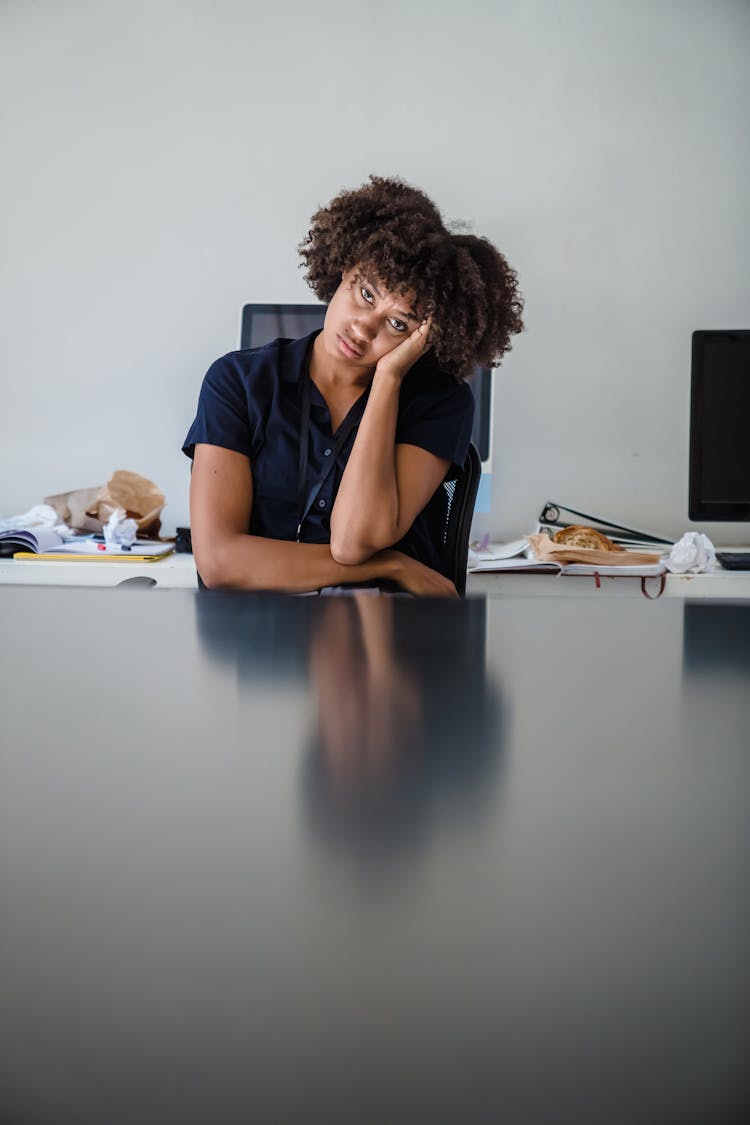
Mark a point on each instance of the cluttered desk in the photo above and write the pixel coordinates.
(602, 555)
(494, 569)
(100, 536)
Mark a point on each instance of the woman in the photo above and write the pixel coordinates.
(314, 459)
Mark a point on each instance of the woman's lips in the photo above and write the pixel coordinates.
(348, 349)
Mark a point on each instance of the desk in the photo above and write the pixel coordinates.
(178, 572)
(717, 584)
(174, 571)
(373, 860)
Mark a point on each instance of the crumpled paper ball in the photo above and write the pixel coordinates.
(693, 554)
(119, 531)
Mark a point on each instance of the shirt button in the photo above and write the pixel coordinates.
(326, 453)
(321, 503)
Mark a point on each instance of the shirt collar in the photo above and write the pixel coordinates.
(294, 357)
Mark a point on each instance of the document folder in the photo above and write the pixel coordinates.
(555, 516)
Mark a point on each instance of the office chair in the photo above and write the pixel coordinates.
(451, 511)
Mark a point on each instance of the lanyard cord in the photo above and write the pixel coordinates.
(350, 423)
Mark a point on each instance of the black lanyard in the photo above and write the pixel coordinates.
(350, 423)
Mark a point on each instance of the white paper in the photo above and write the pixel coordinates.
(119, 531)
(39, 517)
(494, 552)
(693, 554)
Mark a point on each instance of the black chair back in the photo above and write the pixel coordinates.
(451, 511)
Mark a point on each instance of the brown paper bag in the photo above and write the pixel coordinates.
(71, 507)
(140, 498)
(88, 509)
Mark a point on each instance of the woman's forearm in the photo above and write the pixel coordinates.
(251, 562)
(365, 516)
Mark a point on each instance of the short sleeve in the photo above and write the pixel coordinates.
(225, 415)
(437, 414)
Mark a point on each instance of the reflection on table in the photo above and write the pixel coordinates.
(372, 859)
(405, 729)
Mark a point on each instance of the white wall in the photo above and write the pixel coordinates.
(161, 160)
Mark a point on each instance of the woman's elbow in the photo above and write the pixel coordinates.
(209, 571)
(356, 541)
(214, 567)
(349, 551)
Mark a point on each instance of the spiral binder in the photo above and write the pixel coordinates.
(554, 516)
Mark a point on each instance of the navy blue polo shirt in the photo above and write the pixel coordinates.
(251, 402)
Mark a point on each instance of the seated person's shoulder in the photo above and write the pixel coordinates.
(245, 364)
(436, 413)
(279, 361)
(427, 387)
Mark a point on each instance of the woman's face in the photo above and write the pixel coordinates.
(365, 321)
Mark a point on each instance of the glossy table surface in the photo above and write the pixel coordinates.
(373, 859)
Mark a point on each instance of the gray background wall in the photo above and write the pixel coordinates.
(161, 160)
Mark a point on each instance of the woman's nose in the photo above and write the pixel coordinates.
(365, 325)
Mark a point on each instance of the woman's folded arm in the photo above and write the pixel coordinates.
(221, 498)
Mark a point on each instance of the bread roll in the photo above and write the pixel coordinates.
(579, 536)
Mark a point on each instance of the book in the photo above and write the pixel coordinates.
(43, 543)
(534, 566)
(22, 539)
(495, 558)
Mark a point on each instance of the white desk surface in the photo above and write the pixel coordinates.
(178, 571)
(716, 584)
(169, 572)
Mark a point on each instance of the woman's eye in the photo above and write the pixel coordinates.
(398, 325)
(367, 295)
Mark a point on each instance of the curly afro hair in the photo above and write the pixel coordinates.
(395, 233)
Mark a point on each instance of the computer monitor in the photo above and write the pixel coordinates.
(719, 486)
(262, 323)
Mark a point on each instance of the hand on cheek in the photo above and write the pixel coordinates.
(403, 357)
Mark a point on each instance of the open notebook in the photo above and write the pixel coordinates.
(43, 543)
(509, 557)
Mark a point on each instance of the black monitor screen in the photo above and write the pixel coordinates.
(262, 323)
(720, 426)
